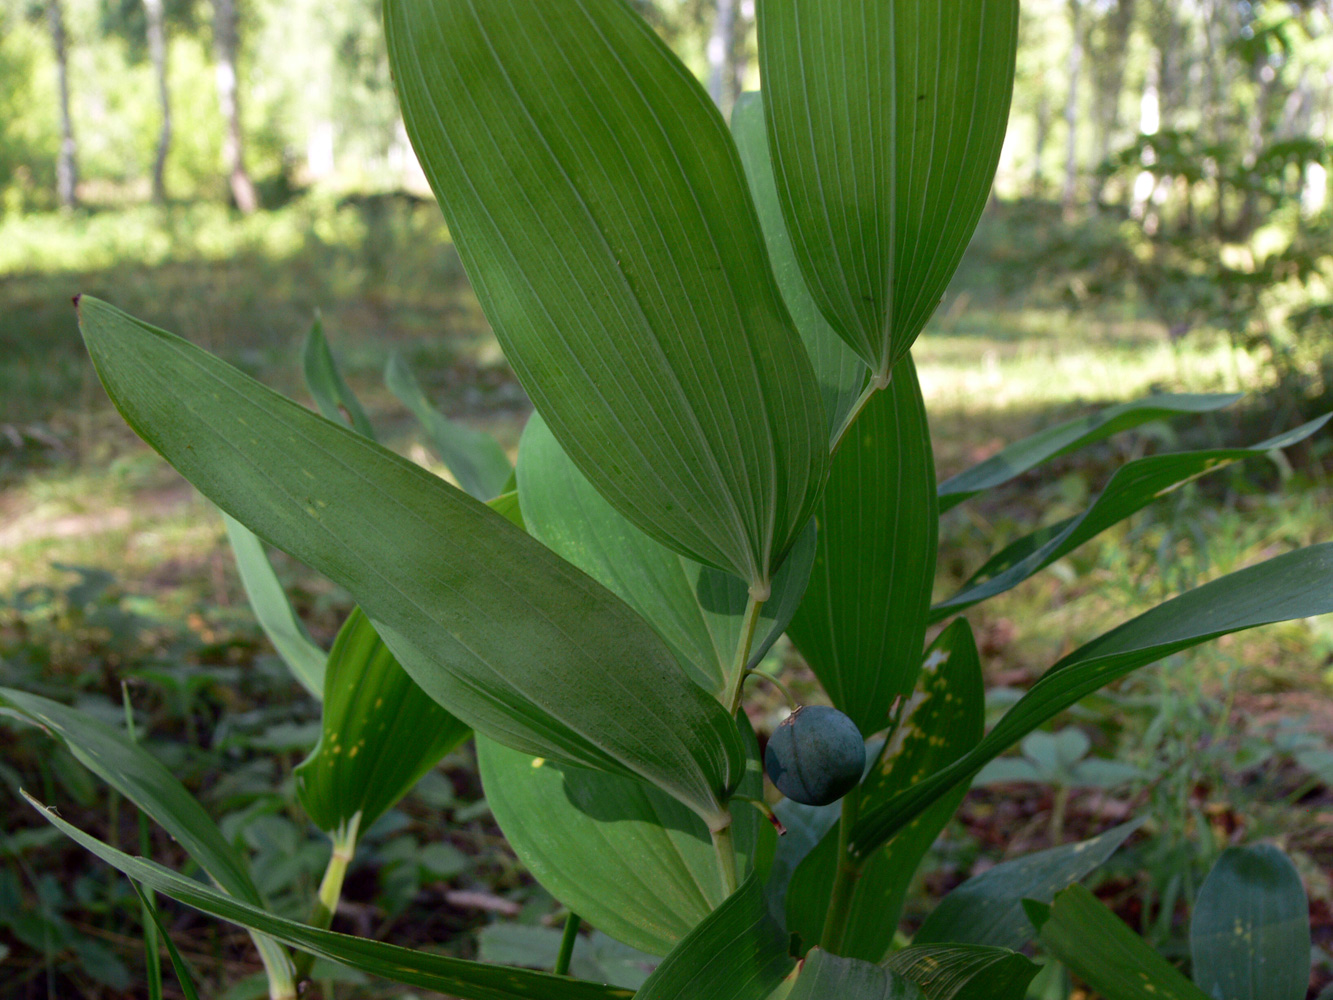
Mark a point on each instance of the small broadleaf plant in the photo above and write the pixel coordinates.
(714, 324)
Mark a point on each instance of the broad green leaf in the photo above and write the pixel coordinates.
(841, 374)
(965, 972)
(825, 976)
(510, 638)
(862, 624)
(380, 734)
(697, 610)
(599, 208)
(806, 827)
(428, 970)
(988, 908)
(331, 393)
(1095, 944)
(303, 656)
(626, 858)
(141, 778)
(1011, 462)
(1295, 585)
(736, 953)
(943, 720)
(472, 456)
(1132, 488)
(1250, 931)
(885, 122)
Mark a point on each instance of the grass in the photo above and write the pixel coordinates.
(1000, 360)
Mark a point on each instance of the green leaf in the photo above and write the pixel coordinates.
(841, 374)
(965, 972)
(1250, 931)
(988, 908)
(943, 720)
(599, 208)
(472, 456)
(736, 953)
(489, 622)
(1011, 462)
(1295, 585)
(455, 976)
(381, 733)
(824, 976)
(1097, 947)
(275, 614)
(141, 778)
(885, 122)
(626, 858)
(806, 827)
(332, 395)
(507, 505)
(1132, 488)
(697, 610)
(862, 623)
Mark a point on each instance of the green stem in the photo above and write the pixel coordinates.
(844, 883)
(792, 703)
(152, 952)
(278, 967)
(330, 888)
(725, 849)
(736, 679)
(876, 383)
(567, 941)
(723, 842)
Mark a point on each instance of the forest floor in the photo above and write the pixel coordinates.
(112, 568)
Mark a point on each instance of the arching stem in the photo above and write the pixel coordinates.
(792, 703)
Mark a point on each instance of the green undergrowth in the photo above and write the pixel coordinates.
(112, 570)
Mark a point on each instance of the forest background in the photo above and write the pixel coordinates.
(1161, 221)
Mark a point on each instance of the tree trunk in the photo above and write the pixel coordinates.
(1039, 142)
(740, 47)
(225, 49)
(720, 54)
(67, 166)
(1111, 81)
(157, 50)
(1070, 191)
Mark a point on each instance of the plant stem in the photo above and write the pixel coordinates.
(792, 703)
(330, 887)
(725, 848)
(736, 680)
(278, 967)
(876, 383)
(567, 941)
(844, 883)
(723, 842)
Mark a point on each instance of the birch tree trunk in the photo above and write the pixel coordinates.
(1110, 76)
(720, 54)
(67, 166)
(225, 49)
(157, 51)
(1043, 133)
(1070, 190)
